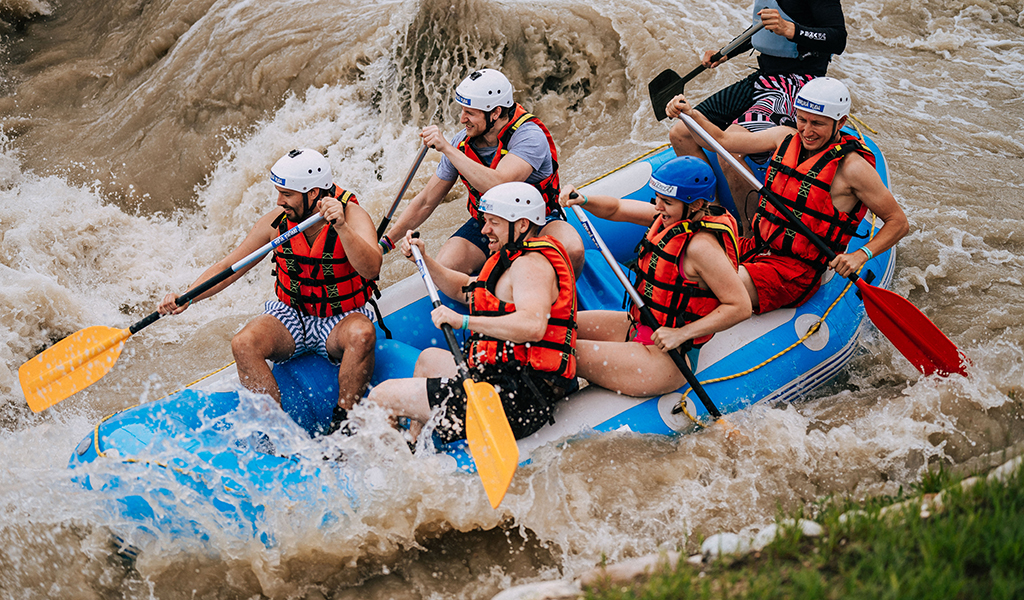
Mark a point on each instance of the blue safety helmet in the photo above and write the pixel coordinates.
(685, 178)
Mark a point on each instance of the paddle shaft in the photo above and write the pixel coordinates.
(645, 313)
(727, 50)
(449, 333)
(668, 84)
(238, 266)
(398, 197)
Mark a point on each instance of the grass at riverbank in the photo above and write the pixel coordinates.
(967, 543)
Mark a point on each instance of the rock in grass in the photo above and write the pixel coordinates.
(544, 590)
(721, 544)
(629, 570)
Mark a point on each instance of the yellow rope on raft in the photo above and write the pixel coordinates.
(620, 167)
(96, 430)
(866, 126)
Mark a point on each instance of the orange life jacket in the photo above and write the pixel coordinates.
(555, 353)
(548, 187)
(805, 188)
(673, 299)
(318, 280)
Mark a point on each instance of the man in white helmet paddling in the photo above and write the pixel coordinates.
(521, 324)
(323, 282)
(826, 177)
(501, 143)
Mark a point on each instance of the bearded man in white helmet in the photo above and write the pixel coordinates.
(824, 176)
(323, 282)
(521, 322)
(501, 143)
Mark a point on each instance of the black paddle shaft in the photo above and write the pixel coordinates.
(801, 227)
(449, 333)
(668, 84)
(184, 298)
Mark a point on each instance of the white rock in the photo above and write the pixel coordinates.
(629, 570)
(1005, 470)
(544, 590)
(809, 528)
(846, 516)
(765, 537)
(769, 533)
(725, 543)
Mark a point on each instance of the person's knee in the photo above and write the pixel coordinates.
(359, 337)
(681, 139)
(245, 344)
(427, 362)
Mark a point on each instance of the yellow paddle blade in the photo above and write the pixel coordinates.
(71, 365)
(490, 439)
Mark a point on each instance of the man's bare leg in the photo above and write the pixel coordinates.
(683, 141)
(262, 339)
(404, 398)
(435, 362)
(749, 284)
(353, 339)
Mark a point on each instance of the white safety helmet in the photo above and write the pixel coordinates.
(513, 201)
(485, 90)
(825, 96)
(301, 171)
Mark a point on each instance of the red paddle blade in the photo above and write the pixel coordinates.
(913, 334)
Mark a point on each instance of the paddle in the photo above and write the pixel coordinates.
(645, 313)
(398, 197)
(490, 438)
(82, 358)
(913, 334)
(668, 84)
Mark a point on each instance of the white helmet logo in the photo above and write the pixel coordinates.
(664, 188)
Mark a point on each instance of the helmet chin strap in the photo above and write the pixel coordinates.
(490, 124)
(306, 207)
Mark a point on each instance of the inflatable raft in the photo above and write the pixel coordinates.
(206, 451)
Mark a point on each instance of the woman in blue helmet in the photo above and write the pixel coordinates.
(685, 271)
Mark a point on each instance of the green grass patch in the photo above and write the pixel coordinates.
(973, 547)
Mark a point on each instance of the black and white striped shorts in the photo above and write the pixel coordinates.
(309, 332)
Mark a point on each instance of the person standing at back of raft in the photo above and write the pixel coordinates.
(522, 324)
(824, 176)
(323, 282)
(685, 272)
(796, 45)
(501, 143)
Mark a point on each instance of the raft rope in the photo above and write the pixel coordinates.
(621, 167)
(866, 126)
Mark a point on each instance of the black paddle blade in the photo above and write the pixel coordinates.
(667, 85)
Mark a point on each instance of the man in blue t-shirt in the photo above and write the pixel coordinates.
(501, 143)
(796, 45)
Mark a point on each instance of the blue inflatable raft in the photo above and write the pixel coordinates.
(203, 458)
